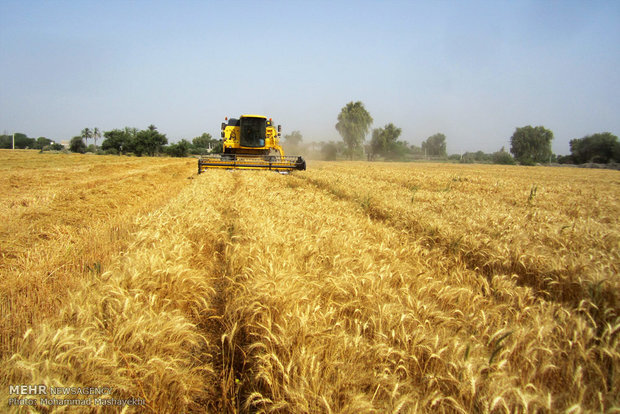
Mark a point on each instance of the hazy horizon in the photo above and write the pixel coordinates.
(473, 71)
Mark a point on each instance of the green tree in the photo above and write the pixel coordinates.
(478, 156)
(502, 157)
(77, 145)
(218, 147)
(384, 142)
(149, 141)
(353, 125)
(530, 145)
(96, 134)
(21, 141)
(601, 148)
(117, 141)
(206, 143)
(435, 146)
(86, 134)
(179, 149)
(130, 145)
(6, 141)
(42, 142)
(203, 142)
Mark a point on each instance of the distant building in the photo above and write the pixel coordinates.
(65, 143)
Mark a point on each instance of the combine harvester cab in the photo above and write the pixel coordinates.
(251, 143)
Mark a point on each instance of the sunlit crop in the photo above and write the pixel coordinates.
(350, 287)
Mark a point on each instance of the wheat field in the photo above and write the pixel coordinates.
(350, 287)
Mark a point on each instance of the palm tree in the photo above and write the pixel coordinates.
(87, 133)
(96, 134)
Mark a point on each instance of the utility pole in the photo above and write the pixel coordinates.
(13, 140)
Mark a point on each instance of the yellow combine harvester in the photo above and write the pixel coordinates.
(251, 143)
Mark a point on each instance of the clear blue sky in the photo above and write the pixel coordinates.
(472, 70)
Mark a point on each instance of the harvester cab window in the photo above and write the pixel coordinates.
(253, 132)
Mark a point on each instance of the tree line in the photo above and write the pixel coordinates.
(528, 145)
(22, 141)
(146, 142)
(118, 141)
